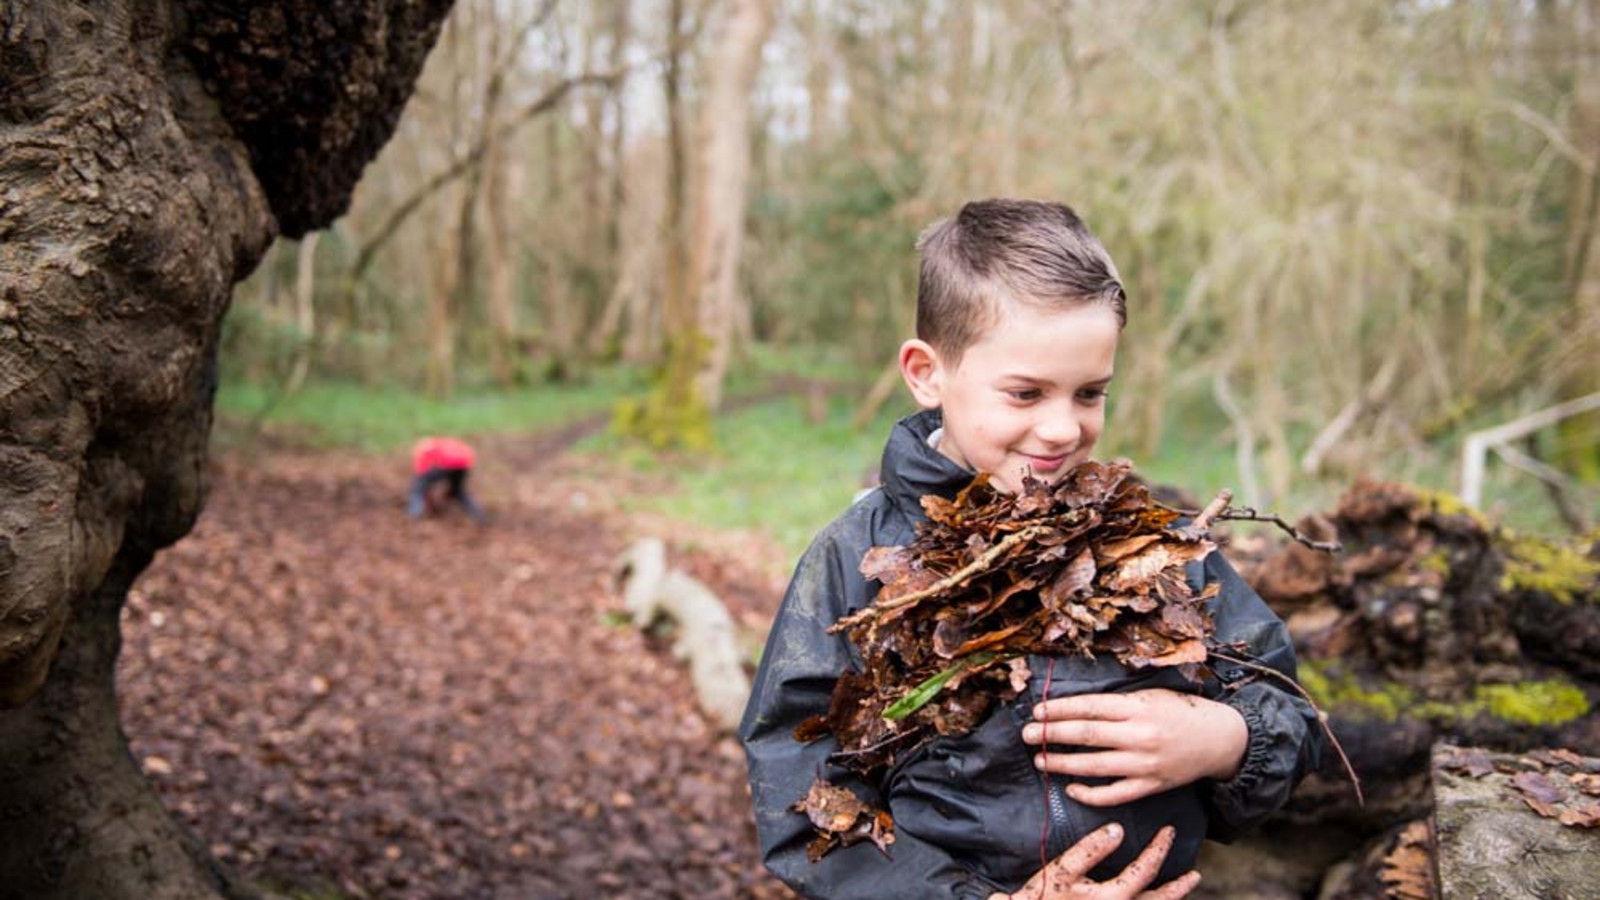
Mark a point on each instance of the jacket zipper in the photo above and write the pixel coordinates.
(1058, 828)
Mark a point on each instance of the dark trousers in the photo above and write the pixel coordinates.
(456, 489)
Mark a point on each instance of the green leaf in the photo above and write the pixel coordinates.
(919, 696)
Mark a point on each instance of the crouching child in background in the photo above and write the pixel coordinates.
(440, 467)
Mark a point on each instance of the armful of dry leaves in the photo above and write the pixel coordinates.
(1091, 565)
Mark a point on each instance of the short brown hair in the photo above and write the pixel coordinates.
(993, 250)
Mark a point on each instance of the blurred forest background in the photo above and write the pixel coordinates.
(1352, 234)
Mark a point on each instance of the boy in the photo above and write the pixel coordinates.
(441, 464)
(1019, 310)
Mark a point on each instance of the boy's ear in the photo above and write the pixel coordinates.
(924, 374)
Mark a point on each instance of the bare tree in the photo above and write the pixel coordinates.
(724, 170)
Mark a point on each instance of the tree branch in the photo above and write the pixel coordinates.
(403, 211)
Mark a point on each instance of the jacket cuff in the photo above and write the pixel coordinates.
(1236, 793)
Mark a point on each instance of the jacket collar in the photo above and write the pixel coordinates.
(912, 468)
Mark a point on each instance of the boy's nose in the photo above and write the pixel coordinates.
(1058, 430)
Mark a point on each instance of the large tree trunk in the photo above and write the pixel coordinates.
(150, 152)
(81, 820)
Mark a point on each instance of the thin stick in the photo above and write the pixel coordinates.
(1199, 528)
(1246, 514)
(1322, 718)
(891, 740)
(1218, 505)
(973, 568)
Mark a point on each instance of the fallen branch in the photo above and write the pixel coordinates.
(1478, 443)
(470, 159)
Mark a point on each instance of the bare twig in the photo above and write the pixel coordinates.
(839, 755)
(1200, 527)
(1370, 397)
(1246, 514)
(1202, 519)
(1557, 483)
(1322, 717)
(1217, 506)
(1478, 443)
(547, 101)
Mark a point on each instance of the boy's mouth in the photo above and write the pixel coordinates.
(1044, 464)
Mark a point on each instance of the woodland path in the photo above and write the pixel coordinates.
(341, 702)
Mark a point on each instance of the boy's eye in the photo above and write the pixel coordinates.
(1023, 395)
(1093, 395)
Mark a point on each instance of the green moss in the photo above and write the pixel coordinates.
(1533, 702)
(664, 424)
(1442, 503)
(1334, 690)
(1542, 703)
(673, 414)
(1562, 572)
(1438, 561)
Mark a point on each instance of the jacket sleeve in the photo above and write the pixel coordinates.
(1286, 741)
(797, 674)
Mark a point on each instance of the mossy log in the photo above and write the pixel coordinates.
(1433, 624)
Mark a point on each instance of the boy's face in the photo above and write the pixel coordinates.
(1028, 395)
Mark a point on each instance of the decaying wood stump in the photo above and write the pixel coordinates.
(1433, 624)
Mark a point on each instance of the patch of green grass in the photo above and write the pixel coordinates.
(380, 419)
(772, 471)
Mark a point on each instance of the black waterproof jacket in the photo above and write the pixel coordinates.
(969, 811)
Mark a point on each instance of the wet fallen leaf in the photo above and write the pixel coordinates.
(1538, 786)
(1083, 567)
(1585, 816)
(1472, 761)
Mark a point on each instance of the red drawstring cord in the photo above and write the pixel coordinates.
(1044, 755)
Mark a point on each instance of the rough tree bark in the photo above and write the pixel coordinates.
(149, 154)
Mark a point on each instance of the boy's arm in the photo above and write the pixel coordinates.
(1286, 741)
(798, 670)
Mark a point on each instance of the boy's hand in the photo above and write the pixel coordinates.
(1066, 877)
(1150, 741)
